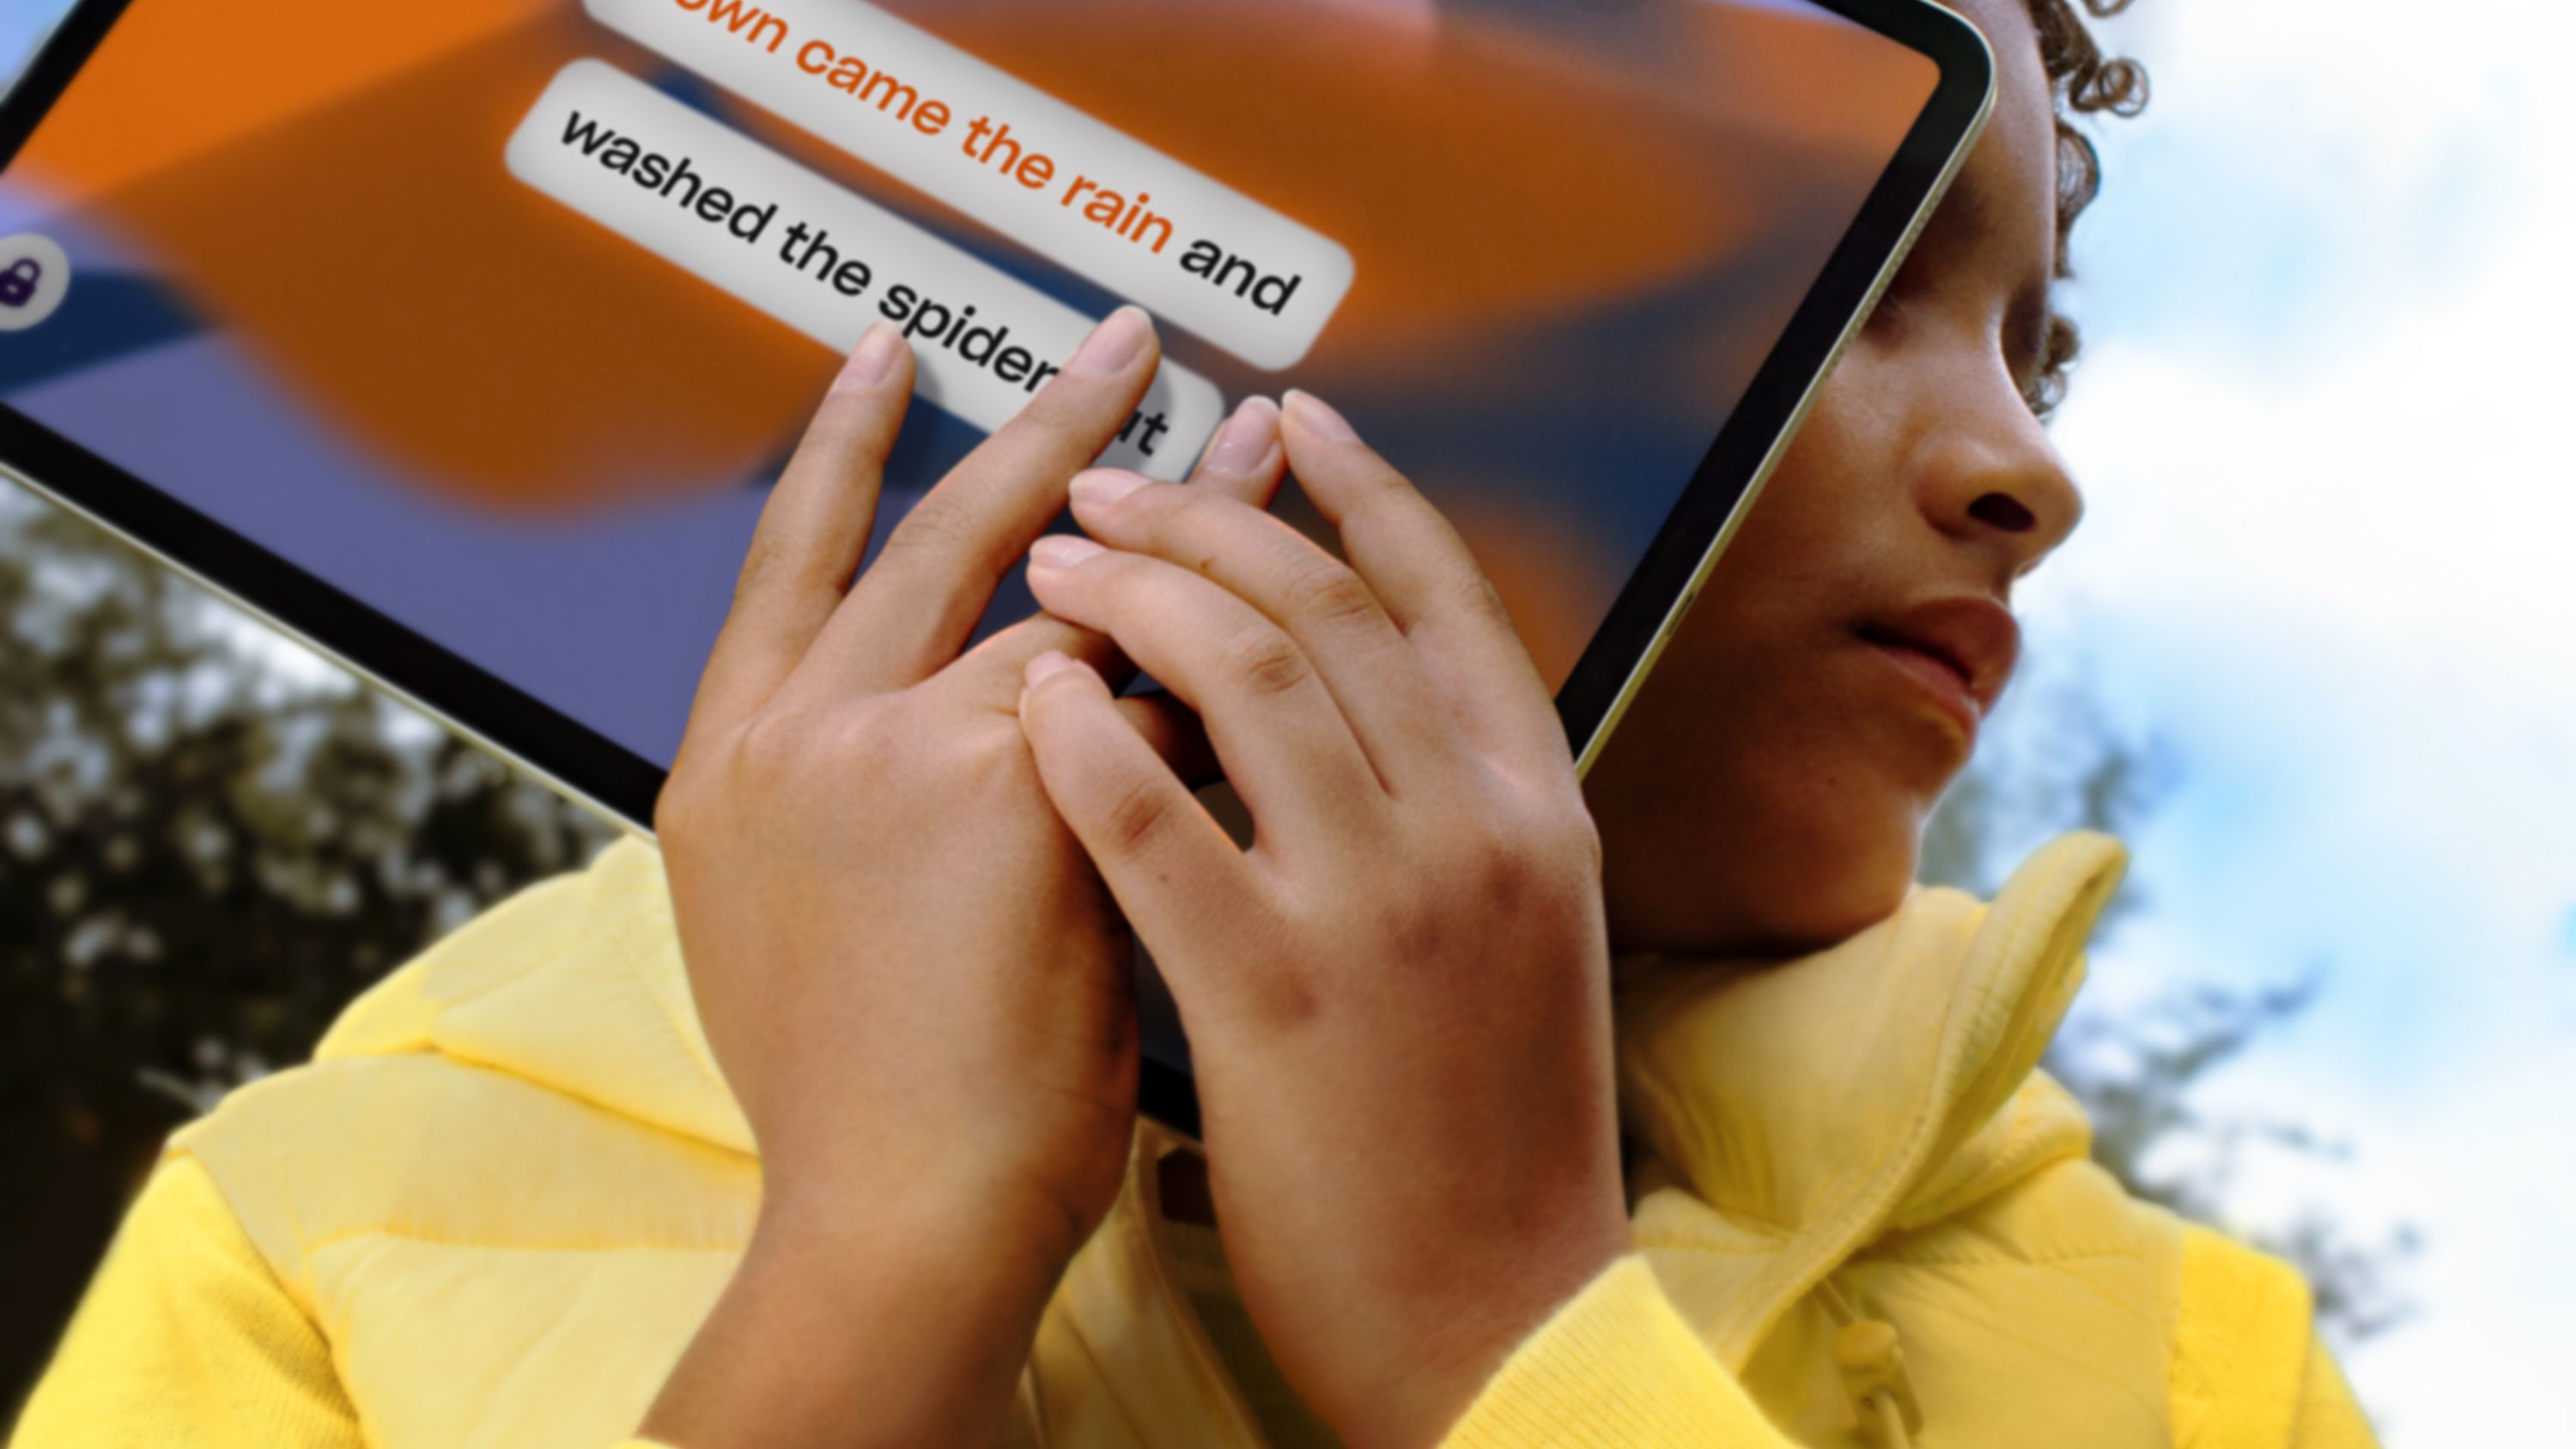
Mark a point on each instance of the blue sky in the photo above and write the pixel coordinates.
(2326, 566)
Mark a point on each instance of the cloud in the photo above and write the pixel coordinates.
(2322, 433)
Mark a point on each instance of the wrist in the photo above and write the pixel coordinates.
(1462, 1341)
(850, 1323)
(948, 1216)
(922, 1249)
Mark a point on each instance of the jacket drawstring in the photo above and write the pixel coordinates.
(1872, 1364)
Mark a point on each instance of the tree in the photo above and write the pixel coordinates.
(209, 843)
(2062, 763)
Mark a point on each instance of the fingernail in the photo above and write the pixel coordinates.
(1101, 487)
(1317, 416)
(1051, 662)
(1244, 443)
(1063, 551)
(1119, 340)
(873, 360)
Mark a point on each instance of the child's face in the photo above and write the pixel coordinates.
(1768, 789)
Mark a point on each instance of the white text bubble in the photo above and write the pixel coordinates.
(1017, 159)
(825, 262)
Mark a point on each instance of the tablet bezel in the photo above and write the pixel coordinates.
(622, 786)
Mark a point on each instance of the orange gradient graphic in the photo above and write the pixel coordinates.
(324, 182)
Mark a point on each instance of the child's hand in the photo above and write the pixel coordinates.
(910, 975)
(1398, 998)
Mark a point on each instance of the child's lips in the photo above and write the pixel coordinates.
(1961, 650)
(1937, 677)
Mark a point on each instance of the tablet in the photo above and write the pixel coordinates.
(463, 338)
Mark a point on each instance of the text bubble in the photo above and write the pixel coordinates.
(1017, 159)
(825, 262)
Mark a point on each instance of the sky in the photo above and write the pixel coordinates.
(2325, 568)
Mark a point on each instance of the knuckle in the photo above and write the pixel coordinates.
(1279, 999)
(716, 780)
(1518, 857)
(679, 812)
(1380, 493)
(1502, 863)
(1136, 816)
(940, 522)
(993, 760)
(1475, 591)
(1325, 591)
(1282, 989)
(1262, 661)
(769, 755)
(760, 565)
(1417, 930)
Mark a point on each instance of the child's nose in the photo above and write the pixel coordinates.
(1997, 481)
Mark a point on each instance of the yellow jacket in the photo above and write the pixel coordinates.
(494, 1208)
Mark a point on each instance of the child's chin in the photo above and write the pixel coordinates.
(1842, 906)
(1770, 893)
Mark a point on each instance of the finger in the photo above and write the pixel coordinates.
(1169, 726)
(1282, 738)
(812, 531)
(994, 669)
(1174, 871)
(1374, 674)
(1173, 732)
(1430, 583)
(917, 604)
(1248, 459)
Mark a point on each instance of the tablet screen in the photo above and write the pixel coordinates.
(499, 316)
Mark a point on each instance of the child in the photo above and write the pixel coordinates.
(516, 1199)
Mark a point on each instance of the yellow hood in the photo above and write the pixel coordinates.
(1842, 1094)
(1797, 1112)
(592, 1002)
(1861, 1132)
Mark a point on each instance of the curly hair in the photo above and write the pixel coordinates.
(2082, 82)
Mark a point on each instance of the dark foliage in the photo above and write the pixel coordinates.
(209, 844)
